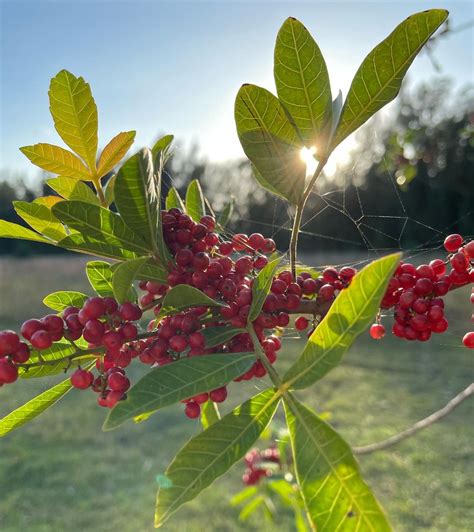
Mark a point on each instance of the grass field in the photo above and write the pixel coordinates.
(61, 473)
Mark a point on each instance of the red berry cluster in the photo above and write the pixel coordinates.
(415, 293)
(257, 465)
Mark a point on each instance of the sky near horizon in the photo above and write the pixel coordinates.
(176, 66)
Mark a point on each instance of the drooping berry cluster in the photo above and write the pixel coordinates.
(415, 293)
(260, 465)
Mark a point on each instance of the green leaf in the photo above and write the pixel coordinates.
(220, 335)
(302, 82)
(56, 160)
(336, 111)
(100, 275)
(195, 206)
(270, 141)
(62, 299)
(41, 219)
(261, 287)
(183, 296)
(152, 272)
(109, 191)
(123, 277)
(251, 507)
(132, 196)
(75, 115)
(213, 452)
(99, 223)
(174, 201)
(381, 73)
(224, 217)
(114, 152)
(171, 383)
(71, 189)
(95, 246)
(333, 490)
(351, 313)
(34, 408)
(161, 147)
(209, 414)
(11, 230)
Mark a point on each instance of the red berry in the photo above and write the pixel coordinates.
(192, 410)
(30, 327)
(41, 340)
(118, 382)
(22, 354)
(260, 262)
(377, 331)
(52, 323)
(468, 340)
(8, 372)
(82, 379)
(219, 395)
(113, 397)
(112, 340)
(440, 326)
(240, 242)
(438, 266)
(310, 286)
(278, 286)
(269, 246)
(459, 262)
(9, 342)
(226, 248)
(93, 331)
(469, 249)
(256, 241)
(326, 292)
(184, 257)
(178, 343)
(196, 340)
(94, 307)
(243, 265)
(129, 331)
(453, 243)
(301, 323)
(130, 311)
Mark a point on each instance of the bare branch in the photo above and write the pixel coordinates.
(422, 424)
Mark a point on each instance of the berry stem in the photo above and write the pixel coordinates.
(299, 214)
(272, 373)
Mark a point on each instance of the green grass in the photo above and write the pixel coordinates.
(62, 473)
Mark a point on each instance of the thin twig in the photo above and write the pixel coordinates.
(422, 424)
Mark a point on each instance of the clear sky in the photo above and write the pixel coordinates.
(175, 67)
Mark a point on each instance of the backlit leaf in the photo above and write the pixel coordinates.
(174, 201)
(114, 152)
(270, 141)
(72, 189)
(41, 219)
(75, 115)
(100, 275)
(302, 82)
(56, 160)
(64, 298)
(124, 275)
(99, 223)
(11, 230)
(195, 205)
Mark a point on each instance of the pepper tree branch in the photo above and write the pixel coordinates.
(419, 425)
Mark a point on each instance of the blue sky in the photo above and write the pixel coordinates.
(175, 67)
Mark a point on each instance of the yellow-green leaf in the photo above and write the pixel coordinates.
(75, 115)
(114, 152)
(72, 189)
(41, 219)
(56, 160)
(11, 230)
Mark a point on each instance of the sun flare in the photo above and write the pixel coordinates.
(307, 156)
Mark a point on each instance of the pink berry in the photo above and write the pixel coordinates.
(9, 342)
(453, 243)
(219, 395)
(82, 379)
(468, 340)
(301, 323)
(192, 410)
(41, 340)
